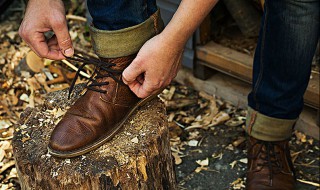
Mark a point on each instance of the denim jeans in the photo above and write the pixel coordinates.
(282, 63)
(119, 14)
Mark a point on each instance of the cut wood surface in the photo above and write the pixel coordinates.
(239, 65)
(138, 157)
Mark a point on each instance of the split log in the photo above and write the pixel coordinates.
(138, 157)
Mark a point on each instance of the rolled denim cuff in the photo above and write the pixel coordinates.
(267, 128)
(127, 41)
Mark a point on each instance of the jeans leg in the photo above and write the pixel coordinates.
(121, 27)
(282, 63)
(119, 14)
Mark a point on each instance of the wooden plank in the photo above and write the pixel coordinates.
(236, 91)
(239, 65)
(226, 59)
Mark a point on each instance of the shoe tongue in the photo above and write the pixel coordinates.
(121, 62)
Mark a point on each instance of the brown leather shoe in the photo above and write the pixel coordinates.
(97, 115)
(269, 165)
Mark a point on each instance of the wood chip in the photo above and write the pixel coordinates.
(135, 140)
(177, 159)
(193, 143)
(34, 62)
(239, 141)
(199, 169)
(232, 164)
(220, 118)
(244, 160)
(204, 162)
(6, 166)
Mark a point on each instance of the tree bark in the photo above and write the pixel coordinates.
(138, 157)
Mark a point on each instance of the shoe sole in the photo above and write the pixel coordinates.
(101, 141)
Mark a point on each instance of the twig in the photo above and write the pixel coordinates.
(180, 125)
(309, 182)
(176, 150)
(75, 68)
(74, 17)
(307, 164)
(197, 126)
(202, 140)
(295, 156)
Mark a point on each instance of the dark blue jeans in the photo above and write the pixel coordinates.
(282, 62)
(119, 14)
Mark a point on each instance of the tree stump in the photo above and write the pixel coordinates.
(138, 157)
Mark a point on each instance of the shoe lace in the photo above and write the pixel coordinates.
(271, 157)
(102, 69)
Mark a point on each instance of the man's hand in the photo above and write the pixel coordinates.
(158, 60)
(156, 64)
(43, 16)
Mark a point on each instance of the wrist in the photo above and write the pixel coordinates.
(173, 39)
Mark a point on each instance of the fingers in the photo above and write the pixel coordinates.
(133, 76)
(133, 71)
(140, 79)
(144, 87)
(51, 48)
(43, 16)
(140, 89)
(60, 29)
(38, 44)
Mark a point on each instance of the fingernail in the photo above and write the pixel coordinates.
(68, 52)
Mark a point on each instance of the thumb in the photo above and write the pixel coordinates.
(132, 72)
(63, 38)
